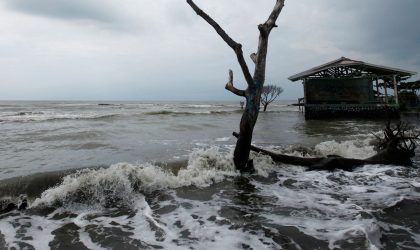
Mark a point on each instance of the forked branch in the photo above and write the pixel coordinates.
(271, 21)
(237, 47)
(253, 57)
(265, 29)
(229, 86)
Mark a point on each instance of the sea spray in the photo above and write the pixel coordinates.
(207, 204)
(357, 148)
(118, 184)
(157, 207)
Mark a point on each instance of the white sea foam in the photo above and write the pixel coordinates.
(357, 148)
(321, 212)
(331, 207)
(222, 139)
(360, 147)
(50, 115)
(416, 183)
(201, 106)
(36, 230)
(118, 182)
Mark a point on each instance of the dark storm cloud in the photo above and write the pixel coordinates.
(394, 27)
(384, 27)
(65, 9)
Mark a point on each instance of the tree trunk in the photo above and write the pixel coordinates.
(265, 107)
(246, 127)
(255, 83)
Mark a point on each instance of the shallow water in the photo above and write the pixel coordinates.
(121, 198)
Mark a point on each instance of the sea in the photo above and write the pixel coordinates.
(160, 175)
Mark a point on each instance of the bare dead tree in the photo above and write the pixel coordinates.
(269, 94)
(255, 83)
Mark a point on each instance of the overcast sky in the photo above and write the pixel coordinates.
(161, 50)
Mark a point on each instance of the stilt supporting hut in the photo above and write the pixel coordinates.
(350, 88)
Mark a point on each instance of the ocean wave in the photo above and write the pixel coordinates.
(28, 113)
(200, 106)
(222, 139)
(174, 113)
(357, 148)
(360, 147)
(44, 116)
(119, 183)
(193, 206)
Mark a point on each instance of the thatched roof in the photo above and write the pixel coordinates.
(374, 69)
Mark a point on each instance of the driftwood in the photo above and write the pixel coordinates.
(395, 148)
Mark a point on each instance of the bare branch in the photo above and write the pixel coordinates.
(229, 86)
(271, 22)
(265, 29)
(270, 93)
(401, 136)
(253, 57)
(237, 47)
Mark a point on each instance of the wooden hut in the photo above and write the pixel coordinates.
(350, 88)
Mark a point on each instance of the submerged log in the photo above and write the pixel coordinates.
(396, 148)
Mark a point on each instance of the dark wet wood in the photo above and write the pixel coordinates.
(254, 84)
(396, 148)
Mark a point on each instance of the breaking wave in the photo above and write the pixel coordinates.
(206, 203)
(48, 116)
(168, 112)
(118, 184)
(358, 148)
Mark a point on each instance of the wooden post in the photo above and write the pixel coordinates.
(386, 91)
(305, 100)
(377, 89)
(394, 79)
(299, 104)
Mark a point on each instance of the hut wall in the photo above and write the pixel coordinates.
(339, 91)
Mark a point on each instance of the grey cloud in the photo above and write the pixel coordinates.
(389, 28)
(65, 9)
(394, 28)
(167, 47)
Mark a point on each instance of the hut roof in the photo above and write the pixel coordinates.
(349, 63)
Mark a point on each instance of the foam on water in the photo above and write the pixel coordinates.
(208, 205)
(34, 230)
(358, 148)
(120, 182)
(336, 205)
(222, 139)
(49, 115)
